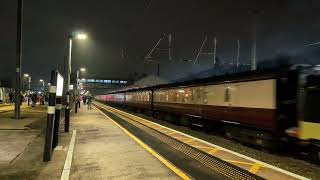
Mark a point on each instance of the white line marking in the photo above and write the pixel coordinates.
(224, 149)
(68, 161)
(230, 122)
(199, 125)
(194, 115)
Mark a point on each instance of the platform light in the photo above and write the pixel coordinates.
(26, 75)
(81, 36)
(41, 80)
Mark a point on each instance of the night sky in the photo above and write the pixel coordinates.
(283, 27)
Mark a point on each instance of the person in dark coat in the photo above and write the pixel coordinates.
(11, 97)
(34, 99)
(21, 99)
(89, 101)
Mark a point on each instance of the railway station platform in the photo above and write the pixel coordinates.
(102, 150)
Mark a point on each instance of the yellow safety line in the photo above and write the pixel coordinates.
(158, 128)
(172, 133)
(151, 151)
(238, 162)
(181, 138)
(255, 168)
(188, 141)
(213, 151)
(165, 131)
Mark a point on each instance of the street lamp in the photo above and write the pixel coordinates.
(78, 72)
(42, 81)
(77, 103)
(73, 35)
(18, 60)
(81, 36)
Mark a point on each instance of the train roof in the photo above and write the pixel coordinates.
(226, 78)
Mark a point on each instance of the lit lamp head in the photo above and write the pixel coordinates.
(26, 75)
(78, 35)
(83, 69)
(41, 80)
(81, 36)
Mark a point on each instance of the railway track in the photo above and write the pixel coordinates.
(230, 164)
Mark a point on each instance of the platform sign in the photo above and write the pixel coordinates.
(60, 80)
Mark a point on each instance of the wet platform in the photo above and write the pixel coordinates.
(104, 151)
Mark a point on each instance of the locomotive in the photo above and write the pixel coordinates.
(264, 108)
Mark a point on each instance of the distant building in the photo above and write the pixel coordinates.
(98, 85)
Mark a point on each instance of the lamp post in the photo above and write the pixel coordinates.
(29, 86)
(80, 36)
(18, 60)
(78, 72)
(77, 94)
(42, 81)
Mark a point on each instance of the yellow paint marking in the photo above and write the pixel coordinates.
(158, 128)
(166, 131)
(151, 151)
(238, 162)
(172, 133)
(188, 141)
(255, 168)
(213, 151)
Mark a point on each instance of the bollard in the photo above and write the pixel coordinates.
(50, 118)
(56, 123)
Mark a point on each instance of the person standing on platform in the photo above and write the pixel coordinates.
(77, 101)
(34, 99)
(89, 101)
(11, 97)
(21, 98)
(84, 99)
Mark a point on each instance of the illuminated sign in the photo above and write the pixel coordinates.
(59, 85)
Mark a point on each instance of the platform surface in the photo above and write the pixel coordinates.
(103, 151)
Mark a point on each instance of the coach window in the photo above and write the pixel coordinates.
(227, 94)
(162, 95)
(204, 96)
(168, 96)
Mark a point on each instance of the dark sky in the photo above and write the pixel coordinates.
(283, 27)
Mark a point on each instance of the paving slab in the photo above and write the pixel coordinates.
(16, 135)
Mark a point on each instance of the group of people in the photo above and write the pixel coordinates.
(32, 97)
(86, 99)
